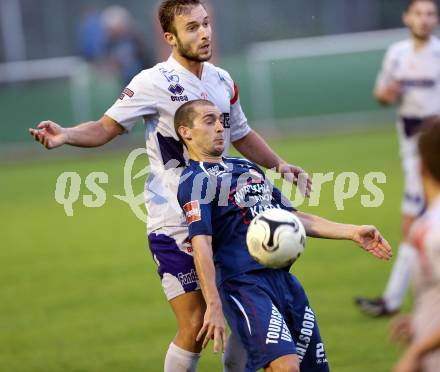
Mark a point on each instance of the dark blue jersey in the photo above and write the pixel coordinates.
(221, 199)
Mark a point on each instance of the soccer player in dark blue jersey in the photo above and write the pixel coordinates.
(267, 308)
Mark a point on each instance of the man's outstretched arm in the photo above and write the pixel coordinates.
(367, 237)
(89, 134)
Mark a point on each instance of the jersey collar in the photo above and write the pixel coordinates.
(178, 67)
(208, 164)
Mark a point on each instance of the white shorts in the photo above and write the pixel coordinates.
(173, 254)
(413, 203)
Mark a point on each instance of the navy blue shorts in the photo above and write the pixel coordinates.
(269, 311)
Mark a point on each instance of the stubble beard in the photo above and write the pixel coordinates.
(189, 55)
(420, 36)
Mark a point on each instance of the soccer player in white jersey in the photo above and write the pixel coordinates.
(155, 95)
(410, 77)
(422, 328)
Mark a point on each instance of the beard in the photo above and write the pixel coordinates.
(186, 52)
(421, 35)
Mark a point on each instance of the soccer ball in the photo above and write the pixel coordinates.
(276, 238)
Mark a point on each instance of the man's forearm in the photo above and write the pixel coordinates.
(92, 134)
(318, 227)
(256, 149)
(381, 98)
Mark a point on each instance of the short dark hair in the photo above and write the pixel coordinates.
(429, 146)
(412, 2)
(185, 114)
(168, 9)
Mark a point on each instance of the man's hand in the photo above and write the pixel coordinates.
(401, 329)
(369, 239)
(213, 328)
(49, 134)
(297, 176)
(389, 94)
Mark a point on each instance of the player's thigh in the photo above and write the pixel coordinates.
(256, 319)
(189, 309)
(285, 363)
(304, 328)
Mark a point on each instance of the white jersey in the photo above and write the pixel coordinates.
(418, 72)
(425, 235)
(155, 95)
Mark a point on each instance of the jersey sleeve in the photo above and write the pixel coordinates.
(237, 119)
(386, 73)
(136, 101)
(195, 205)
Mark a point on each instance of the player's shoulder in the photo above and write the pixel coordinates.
(399, 47)
(186, 180)
(219, 73)
(238, 160)
(196, 180)
(435, 43)
(160, 75)
(242, 162)
(192, 169)
(143, 80)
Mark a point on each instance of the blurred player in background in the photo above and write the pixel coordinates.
(410, 76)
(125, 47)
(154, 95)
(112, 40)
(267, 308)
(422, 328)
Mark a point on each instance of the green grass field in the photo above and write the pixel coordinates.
(81, 293)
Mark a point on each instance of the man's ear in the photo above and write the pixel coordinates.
(185, 133)
(170, 38)
(405, 18)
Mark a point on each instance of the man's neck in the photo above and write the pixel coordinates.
(204, 157)
(419, 43)
(194, 67)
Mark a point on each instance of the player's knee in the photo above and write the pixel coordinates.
(286, 363)
(189, 310)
